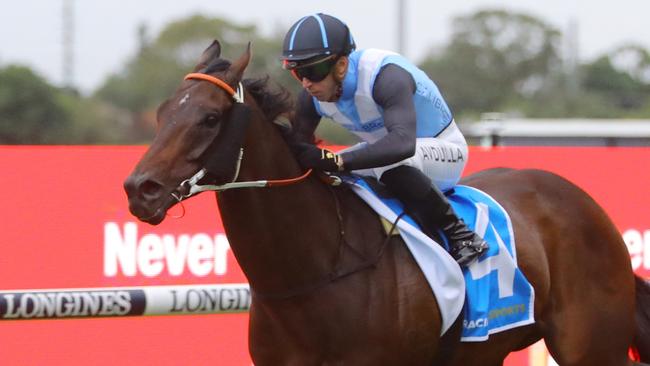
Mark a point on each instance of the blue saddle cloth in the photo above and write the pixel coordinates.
(498, 295)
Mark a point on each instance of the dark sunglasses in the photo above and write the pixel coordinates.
(314, 72)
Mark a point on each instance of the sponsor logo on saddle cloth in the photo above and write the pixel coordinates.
(497, 295)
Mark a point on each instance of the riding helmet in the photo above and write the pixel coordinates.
(316, 35)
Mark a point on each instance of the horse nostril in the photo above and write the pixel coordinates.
(150, 189)
(140, 188)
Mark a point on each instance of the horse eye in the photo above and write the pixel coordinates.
(210, 120)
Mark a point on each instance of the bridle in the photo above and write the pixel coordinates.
(237, 95)
(190, 187)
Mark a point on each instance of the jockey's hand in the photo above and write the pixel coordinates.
(313, 157)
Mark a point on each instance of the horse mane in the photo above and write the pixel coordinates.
(274, 101)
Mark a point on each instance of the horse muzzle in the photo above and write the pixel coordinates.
(149, 200)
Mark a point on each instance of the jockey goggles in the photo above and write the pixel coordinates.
(314, 71)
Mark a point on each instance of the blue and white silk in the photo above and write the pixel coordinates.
(357, 111)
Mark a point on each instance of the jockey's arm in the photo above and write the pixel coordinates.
(393, 91)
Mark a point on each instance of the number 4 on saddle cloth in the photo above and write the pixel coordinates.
(493, 294)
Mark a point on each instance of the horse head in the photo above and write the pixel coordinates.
(204, 118)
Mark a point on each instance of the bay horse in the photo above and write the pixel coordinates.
(330, 287)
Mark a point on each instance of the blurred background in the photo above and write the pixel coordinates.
(94, 72)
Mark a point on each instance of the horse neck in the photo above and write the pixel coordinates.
(282, 237)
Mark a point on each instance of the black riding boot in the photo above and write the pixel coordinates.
(466, 245)
(433, 210)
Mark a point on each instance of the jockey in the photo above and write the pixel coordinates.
(410, 140)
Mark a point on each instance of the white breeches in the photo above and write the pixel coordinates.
(440, 158)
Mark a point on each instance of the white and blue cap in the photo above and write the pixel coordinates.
(317, 35)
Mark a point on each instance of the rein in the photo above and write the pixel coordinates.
(190, 187)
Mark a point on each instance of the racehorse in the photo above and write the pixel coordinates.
(331, 287)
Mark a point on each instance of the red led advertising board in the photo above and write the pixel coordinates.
(65, 224)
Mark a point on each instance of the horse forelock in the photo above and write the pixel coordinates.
(217, 65)
(273, 101)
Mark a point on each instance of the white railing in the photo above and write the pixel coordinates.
(124, 301)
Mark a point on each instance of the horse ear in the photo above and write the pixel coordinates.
(239, 66)
(208, 55)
